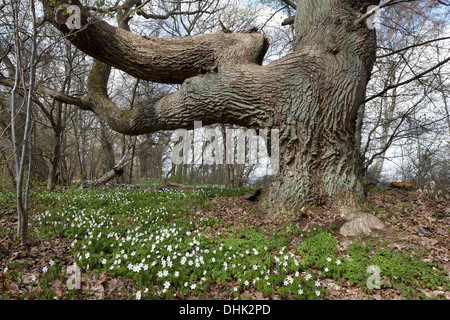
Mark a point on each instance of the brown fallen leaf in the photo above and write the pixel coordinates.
(59, 294)
(442, 231)
(103, 277)
(114, 284)
(225, 294)
(33, 292)
(259, 296)
(14, 289)
(26, 279)
(95, 288)
(7, 284)
(56, 285)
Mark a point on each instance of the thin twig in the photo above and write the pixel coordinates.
(373, 11)
(407, 81)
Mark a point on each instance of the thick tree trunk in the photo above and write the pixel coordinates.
(311, 95)
(319, 158)
(384, 139)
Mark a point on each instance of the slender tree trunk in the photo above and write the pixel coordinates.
(359, 127)
(445, 99)
(228, 167)
(386, 125)
(21, 156)
(133, 153)
(55, 160)
(56, 154)
(81, 146)
(108, 148)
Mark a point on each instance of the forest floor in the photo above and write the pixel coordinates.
(412, 252)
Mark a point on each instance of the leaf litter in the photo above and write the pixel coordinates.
(413, 223)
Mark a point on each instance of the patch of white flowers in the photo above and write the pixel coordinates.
(155, 245)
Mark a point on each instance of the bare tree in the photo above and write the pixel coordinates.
(412, 39)
(21, 148)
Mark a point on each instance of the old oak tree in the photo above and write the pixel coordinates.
(311, 95)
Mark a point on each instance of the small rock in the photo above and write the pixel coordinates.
(332, 286)
(361, 223)
(432, 294)
(347, 212)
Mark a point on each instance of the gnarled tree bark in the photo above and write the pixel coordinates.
(311, 95)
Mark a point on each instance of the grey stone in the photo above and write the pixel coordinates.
(361, 223)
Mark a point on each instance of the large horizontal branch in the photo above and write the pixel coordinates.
(205, 101)
(164, 60)
(233, 97)
(234, 89)
(101, 105)
(222, 78)
(250, 96)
